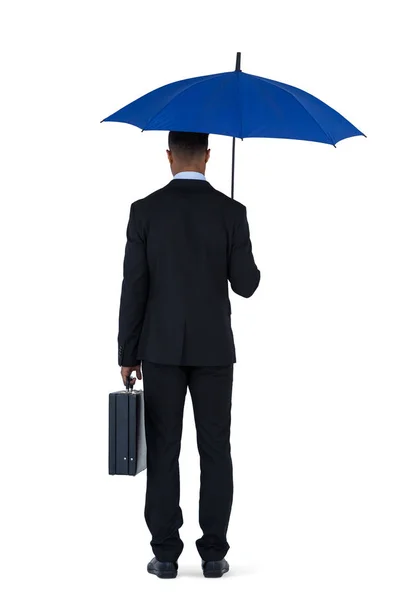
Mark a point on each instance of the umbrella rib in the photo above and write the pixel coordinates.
(312, 116)
(176, 95)
(276, 84)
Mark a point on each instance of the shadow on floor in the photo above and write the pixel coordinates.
(235, 571)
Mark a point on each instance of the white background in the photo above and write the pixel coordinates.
(315, 432)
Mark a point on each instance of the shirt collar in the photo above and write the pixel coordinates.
(189, 175)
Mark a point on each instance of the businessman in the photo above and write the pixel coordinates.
(185, 241)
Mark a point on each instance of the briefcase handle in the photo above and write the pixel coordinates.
(129, 385)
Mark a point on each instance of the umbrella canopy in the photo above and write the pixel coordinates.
(239, 105)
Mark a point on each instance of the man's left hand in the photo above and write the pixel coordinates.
(127, 371)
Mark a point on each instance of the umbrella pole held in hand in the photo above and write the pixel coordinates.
(238, 57)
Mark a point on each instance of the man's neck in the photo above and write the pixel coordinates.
(192, 169)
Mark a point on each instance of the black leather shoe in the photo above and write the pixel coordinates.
(165, 570)
(214, 568)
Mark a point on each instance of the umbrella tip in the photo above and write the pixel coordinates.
(238, 61)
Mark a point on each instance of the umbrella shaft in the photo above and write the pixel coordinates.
(233, 166)
(237, 68)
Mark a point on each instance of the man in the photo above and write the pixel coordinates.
(184, 242)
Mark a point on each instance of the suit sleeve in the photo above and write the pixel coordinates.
(242, 270)
(133, 294)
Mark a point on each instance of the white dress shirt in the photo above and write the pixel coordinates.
(189, 175)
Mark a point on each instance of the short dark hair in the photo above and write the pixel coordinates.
(187, 144)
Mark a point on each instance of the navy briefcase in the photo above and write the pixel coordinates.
(127, 440)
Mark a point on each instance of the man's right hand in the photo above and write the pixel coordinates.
(126, 374)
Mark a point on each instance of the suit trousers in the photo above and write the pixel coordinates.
(165, 388)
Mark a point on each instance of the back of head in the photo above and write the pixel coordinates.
(188, 151)
(185, 144)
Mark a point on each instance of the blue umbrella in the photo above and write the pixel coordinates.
(238, 105)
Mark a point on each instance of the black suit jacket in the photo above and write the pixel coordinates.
(184, 242)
